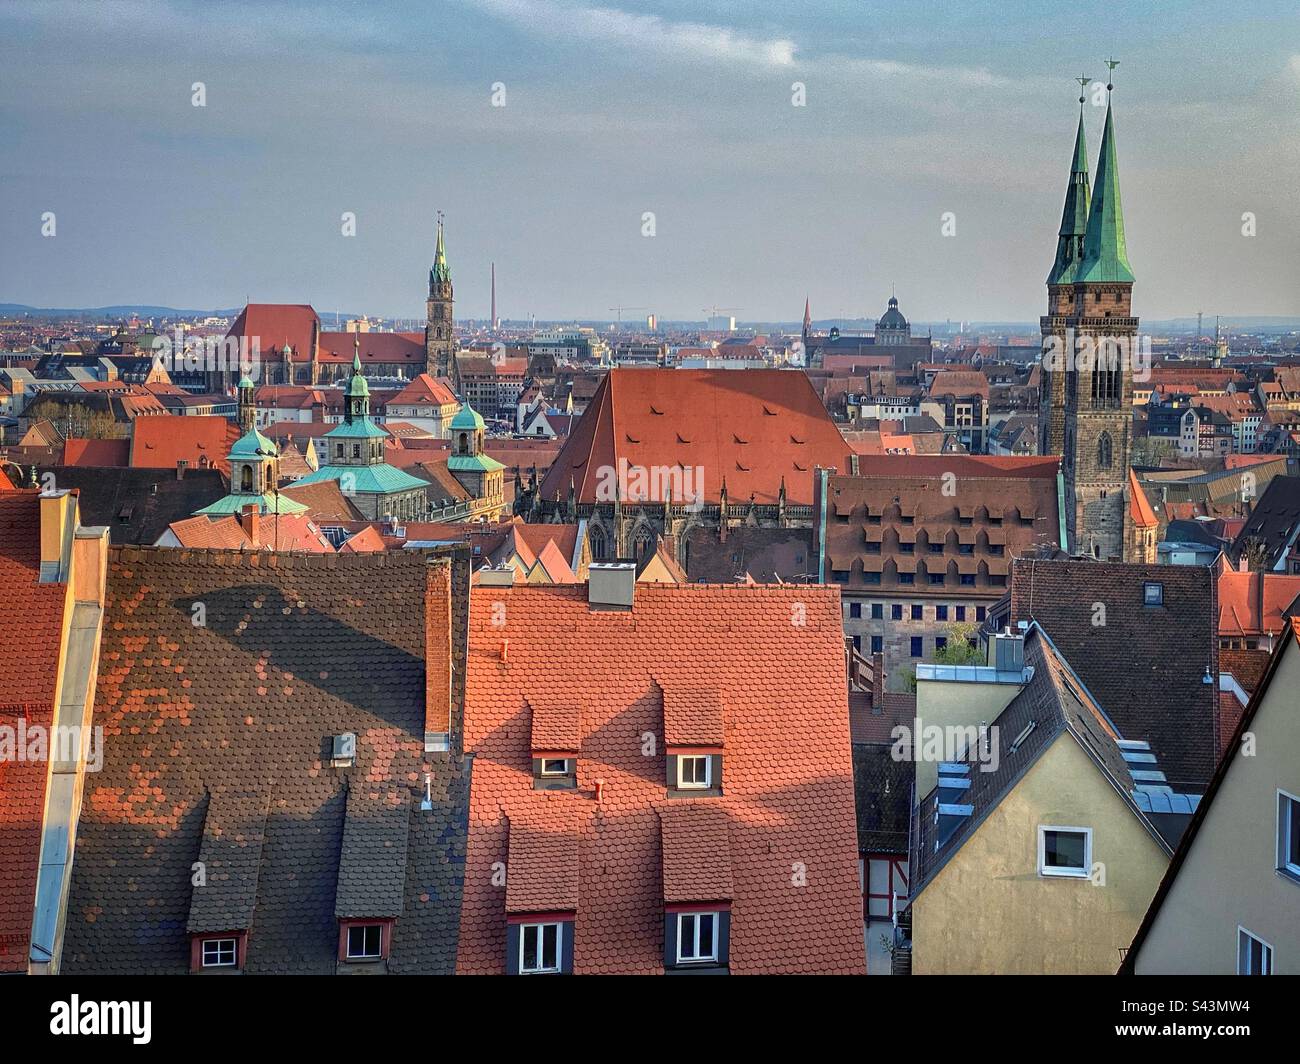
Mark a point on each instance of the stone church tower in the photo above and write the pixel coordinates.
(1089, 338)
(439, 343)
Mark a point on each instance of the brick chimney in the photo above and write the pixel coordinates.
(877, 683)
(250, 519)
(181, 466)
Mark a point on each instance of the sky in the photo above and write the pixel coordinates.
(547, 130)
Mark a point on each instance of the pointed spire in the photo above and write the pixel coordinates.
(1074, 218)
(807, 315)
(441, 273)
(1105, 255)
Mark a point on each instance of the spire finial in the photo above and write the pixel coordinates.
(1084, 81)
(1111, 64)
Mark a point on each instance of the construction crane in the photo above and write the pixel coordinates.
(712, 312)
(619, 312)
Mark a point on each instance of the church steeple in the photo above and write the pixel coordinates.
(1074, 218)
(357, 398)
(441, 272)
(1105, 255)
(439, 342)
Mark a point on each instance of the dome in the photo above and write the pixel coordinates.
(468, 418)
(893, 317)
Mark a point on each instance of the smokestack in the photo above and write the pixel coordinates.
(495, 323)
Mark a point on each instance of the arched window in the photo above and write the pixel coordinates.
(462, 444)
(1104, 455)
(246, 479)
(598, 546)
(643, 544)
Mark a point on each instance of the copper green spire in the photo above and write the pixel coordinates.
(1105, 256)
(1074, 218)
(441, 273)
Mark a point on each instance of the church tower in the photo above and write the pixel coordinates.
(439, 344)
(1095, 315)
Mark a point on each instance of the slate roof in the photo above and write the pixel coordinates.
(766, 554)
(787, 790)
(295, 650)
(137, 505)
(1145, 664)
(749, 427)
(883, 792)
(1273, 521)
(234, 829)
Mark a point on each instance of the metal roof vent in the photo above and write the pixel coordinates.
(611, 585)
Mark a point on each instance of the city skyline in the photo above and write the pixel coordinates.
(756, 203)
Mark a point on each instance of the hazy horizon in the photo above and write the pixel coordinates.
(676, 108)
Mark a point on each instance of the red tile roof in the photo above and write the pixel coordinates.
(31, 620)
(424, 390)
(405, 349)
(97, 453)
(277, 324)
(750, 428)
(1139, 506)
(695, 838)
(787, 792)
(1254, 603)
(692, 716)
(543, 867)
(204, 442)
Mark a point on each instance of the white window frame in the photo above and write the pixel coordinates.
(220, 948)
(551, 773)
(1243, 952)
(1064, 873)
(541, 969)
(379, 948)
(1288, 808)
(682, 784)
(693, 915)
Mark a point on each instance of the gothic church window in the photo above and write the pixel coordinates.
(1104, 451)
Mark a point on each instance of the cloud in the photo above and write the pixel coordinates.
(694, 40)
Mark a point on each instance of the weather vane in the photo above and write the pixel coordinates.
(1084, 81)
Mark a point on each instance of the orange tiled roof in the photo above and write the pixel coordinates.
(747, 427)
(556, 729)
(1139, 506)
(696, 843)
(162, 441)
(788, 777)
(31, 619)
(692, 716)
(277, 324)
(1253, 603)
(543, 870)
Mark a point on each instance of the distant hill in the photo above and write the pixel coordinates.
(138, 310)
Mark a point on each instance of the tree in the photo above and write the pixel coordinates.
(957, 650)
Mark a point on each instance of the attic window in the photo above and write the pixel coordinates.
(540, 949)
(1153, 594)
(1064, 852)
(697, 938)
(220, 952)
(694, 772)
(365, 942)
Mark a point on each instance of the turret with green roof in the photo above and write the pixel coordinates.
(441, 272)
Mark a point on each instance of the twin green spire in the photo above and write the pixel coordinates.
(1091, 245)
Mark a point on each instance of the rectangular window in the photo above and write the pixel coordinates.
(693, 772)
(1064, 852)
(877, 611)
(855, 609)
(1254, 955)
(980, 612)
(896, 612)
(555, 766)
(877, 644)
(539, 949)
(219, 952)
(968, 579)
(941, 613)
(961, 612)
(697, 937)
(918, 613)
(918, 646)
(940, 642)
(907, 578)
(1288, 834)
(364, 942)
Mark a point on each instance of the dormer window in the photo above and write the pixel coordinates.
(540, 948)
(219, 953)
(697, 938)
(364, 941)
(693, 772)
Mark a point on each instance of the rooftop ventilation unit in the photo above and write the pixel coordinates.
(611, 585)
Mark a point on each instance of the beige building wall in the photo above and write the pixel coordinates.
(1229, 877)
(988, 911)
(952, 703)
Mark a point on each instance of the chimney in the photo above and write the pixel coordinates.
(611, 585)
(58, 525)
(1006, 651)
(251, 520)
(495, 576)
(181, 466)
(437, 658)
(877, 683)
